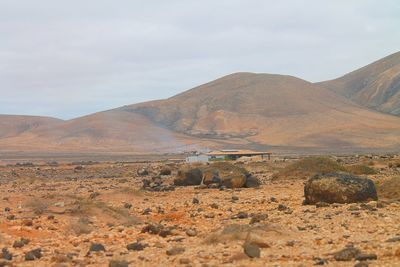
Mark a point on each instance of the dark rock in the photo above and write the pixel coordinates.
(165, 171)
(195, 201)
(151, 228)
(393, 239)
(117, 263)
(189, 177)
(322, 205)
(339, 188)
(94, 195)
(10, 217)
(282, 207)
(143, 172)
(95, 247)
(33, 254)
(175, 251)
(347, 254)
(252, 182)
(234, 181)
(136, 246)
(252, 250)
(366, 257)
(320, 261)
(7, 209)
(5, 254)
(214, 205)
(235, 198)
(127, 205)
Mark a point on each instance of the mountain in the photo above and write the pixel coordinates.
(375, 86)
(241, 110)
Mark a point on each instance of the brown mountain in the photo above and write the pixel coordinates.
(243, 110)
(376, 85)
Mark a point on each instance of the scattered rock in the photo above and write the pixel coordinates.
(136, 246)
(191, 232)
(96, 247)
(5, 254)
(165, 171)
(366, 257)
(346, 254)
(195, 201)
(175, 251)
(118, 263)
(252, 250)
(33, 254)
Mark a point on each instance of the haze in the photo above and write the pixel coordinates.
(70, 58)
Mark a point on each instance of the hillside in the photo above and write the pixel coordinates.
(375, 86)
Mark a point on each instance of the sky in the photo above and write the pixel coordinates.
(71, 58)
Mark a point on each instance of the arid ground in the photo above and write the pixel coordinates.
(97, 214)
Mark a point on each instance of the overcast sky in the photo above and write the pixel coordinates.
(74, 57)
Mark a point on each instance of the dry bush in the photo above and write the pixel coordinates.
(131, 191)
(360, 170)
(307, 167)
(86, 207)
(37, 205)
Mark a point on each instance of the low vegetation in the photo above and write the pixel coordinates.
(310, 166)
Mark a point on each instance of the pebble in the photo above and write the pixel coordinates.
(175, 251)
(252, 250)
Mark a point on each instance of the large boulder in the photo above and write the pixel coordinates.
(234, 180)
(188, 177)
(339, 188)
(252, 182)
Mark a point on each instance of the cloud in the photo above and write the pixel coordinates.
(70, 58)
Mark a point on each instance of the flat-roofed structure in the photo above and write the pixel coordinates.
(234, 154)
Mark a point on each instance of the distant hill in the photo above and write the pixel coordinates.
(241, 110)
(376, 85)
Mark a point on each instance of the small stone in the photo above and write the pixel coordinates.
(235, 198)
(214, 206)
(175, 251)
(184, 261)
(191, 232)
(209, 215)
(127, 205)
(322, 205)
(95, 247)
(27, 222)
(7, 209)
(346, 254)
(252, 250)
(282, 207)
(366, 257)
(195, 201)
(393, 239)
(5, 254)
(136, 246)
(10, 217)
(18, 244)
(117, 263)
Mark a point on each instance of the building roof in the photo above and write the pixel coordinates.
(237, 153)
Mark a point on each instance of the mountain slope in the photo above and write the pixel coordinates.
(243, 110)
(375, 86)
(274, 110)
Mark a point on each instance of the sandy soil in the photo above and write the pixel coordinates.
(64, 209)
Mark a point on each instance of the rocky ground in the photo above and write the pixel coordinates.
(96, 214)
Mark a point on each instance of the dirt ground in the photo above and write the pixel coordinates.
(69, 211)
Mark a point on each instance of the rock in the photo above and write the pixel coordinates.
(282, 207)
(322, 205)
(235, 198)
(5, 254)
(211, 176)
(339, 188)
(184, 261)
(252, 182)
(10, 217)
(195, 201)
(189, 177)
(127, 205)
(95, 247)
(165, 171)
(27, 222)
(175, 251)
(252, 250)
(151, 228)
(117, 263)
(234, 181)
(214, 205)
(366, 257)
(346, 254)
(20, 243)
(136, 246)
(393, 239)
(7, 209)
(143, 172)
(33, 254)
(191, 232)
